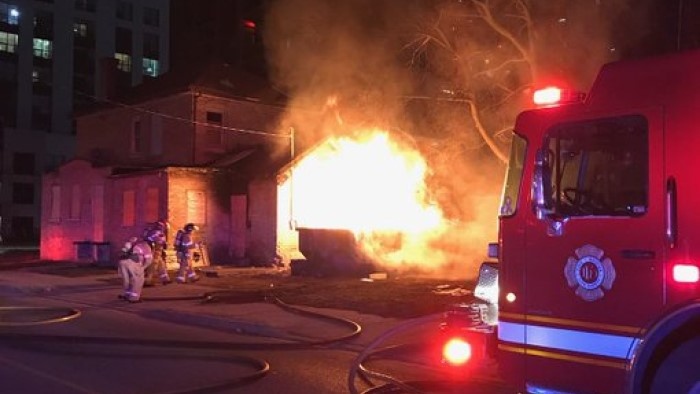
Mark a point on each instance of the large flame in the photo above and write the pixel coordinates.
(363, 185)
(376, 187)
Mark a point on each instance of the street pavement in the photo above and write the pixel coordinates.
(177, 311)
(187, 304)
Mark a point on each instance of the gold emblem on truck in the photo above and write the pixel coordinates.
(589, 272)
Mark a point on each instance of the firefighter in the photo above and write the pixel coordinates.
(156, 234)
(184, 246)
(136, 256)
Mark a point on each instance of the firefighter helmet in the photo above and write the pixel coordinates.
(129, 244)
(189, 227)
(163, 224)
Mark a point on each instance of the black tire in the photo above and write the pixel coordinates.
(680, 371)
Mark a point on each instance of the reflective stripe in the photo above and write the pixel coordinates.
(570, 340)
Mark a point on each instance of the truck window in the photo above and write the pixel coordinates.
(514, 173)
(600, 167)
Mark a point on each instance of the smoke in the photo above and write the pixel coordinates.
(344, 67)
(583, 35)
(318, 49)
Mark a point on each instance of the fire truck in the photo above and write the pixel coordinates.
(594, 283)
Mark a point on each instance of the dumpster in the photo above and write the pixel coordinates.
(103, 254)
(84, 251)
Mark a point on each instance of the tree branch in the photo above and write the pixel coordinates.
(473, 111)
(486, 16)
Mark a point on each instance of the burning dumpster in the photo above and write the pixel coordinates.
(330, 252)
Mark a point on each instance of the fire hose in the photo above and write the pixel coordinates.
(390, 384)
(261, 367)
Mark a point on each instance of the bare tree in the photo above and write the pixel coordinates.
(489, 54)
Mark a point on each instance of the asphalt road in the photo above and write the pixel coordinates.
(116, 347)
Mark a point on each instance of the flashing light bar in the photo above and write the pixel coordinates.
(553, 95)
(686, 273)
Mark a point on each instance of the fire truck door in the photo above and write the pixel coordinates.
(594, 261)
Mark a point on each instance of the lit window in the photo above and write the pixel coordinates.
(151, 67)
(123, 62)
(8, 42)
(80, 29)
(35, 76)
(42, 48)
(9, 14)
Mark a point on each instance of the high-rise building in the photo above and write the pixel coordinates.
(56, 55)
(226, 30)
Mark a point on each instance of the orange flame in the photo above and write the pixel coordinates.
(376, 187)
(363, 185)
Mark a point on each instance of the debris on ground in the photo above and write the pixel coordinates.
(451, 291)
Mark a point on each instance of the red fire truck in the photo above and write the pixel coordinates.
(596, 287)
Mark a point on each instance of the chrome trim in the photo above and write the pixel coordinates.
(533, 389)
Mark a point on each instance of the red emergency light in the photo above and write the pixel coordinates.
(553, 95)
(457, 351)
(686, 273)
(248, 24)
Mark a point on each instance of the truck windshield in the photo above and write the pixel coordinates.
(600, 167)
(514, 173)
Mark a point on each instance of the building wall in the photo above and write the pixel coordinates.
(243, 124)
(263, 248)
(108, 135)
(101, 208)
(124, 220)
(111, 209)
(201, 196)
(68, 198)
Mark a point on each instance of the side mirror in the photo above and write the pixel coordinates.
(542, 186)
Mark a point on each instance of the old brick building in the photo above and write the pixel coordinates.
(200, 146)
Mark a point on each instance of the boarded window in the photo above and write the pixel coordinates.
(196, 207)
(75, 203)
(55, 214)
(213, 135)
(128, 207)
(216, 118)
(152, 204)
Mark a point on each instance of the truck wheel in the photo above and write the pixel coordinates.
(679, 372)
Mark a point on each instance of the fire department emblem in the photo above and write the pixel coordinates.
(589, 272)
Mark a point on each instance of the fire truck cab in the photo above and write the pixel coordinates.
(598, 256)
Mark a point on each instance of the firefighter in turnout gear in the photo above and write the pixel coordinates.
(135, 257)
(184, 246)
(156, 234)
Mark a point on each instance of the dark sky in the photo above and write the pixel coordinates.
(651, 27)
